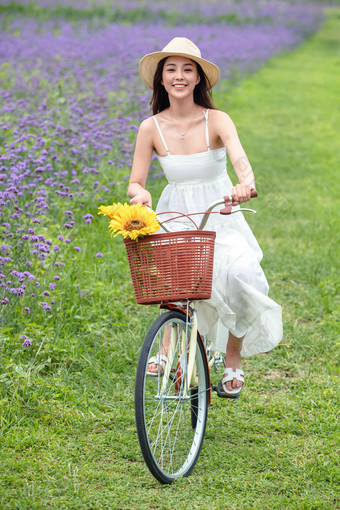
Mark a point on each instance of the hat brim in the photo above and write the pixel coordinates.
(149, 63)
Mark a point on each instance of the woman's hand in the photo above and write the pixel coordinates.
(142, 197)
(241, 193)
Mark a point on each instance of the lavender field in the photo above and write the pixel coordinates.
(71, 102)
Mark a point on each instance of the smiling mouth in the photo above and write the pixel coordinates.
(179, 86)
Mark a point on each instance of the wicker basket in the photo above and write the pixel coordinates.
(172, 266)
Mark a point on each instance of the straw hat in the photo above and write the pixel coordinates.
(181, 47)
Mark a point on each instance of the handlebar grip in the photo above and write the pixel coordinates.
(227, 200)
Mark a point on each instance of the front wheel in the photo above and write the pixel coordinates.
(171, 411)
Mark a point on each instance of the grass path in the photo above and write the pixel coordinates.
(71, 440)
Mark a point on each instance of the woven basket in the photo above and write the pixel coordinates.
(172, 266)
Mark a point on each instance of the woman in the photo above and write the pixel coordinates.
(191, 138)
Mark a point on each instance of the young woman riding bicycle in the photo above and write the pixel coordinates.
(191, 139)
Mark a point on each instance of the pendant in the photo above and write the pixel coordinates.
(182, 136)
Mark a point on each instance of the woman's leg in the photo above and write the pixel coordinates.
(152, 367)
(233, 359)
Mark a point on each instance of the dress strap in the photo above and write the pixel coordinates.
(161, 135)
(206, 114)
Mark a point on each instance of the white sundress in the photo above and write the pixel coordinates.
(239, 302)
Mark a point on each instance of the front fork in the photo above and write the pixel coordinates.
(186, 364)
(189, 346)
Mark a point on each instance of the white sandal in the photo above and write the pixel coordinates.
(160, 360)
(228, 375)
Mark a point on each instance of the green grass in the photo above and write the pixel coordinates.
(68, 436)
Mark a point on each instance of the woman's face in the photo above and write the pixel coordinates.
(179, 76)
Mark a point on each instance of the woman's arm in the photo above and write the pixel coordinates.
(227, 132)
(141, 164)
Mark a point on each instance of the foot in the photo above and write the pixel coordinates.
(229, 375)
(233, 361)
(156, 365)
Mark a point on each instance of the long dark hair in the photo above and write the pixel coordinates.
(160, 99)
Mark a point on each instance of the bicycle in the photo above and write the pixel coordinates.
(174, 269)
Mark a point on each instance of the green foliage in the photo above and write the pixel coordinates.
(67, 427)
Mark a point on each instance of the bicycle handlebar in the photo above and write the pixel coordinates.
(227, 201)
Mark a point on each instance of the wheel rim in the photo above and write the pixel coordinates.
(175, 413)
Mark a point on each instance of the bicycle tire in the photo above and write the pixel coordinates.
(170, 423)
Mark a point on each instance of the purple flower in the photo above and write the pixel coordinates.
(27, 310)
(26, 341)
(20, 291)
(45, 306)
(56, 248)
(77, 248)
(99, 255)
(4, 301)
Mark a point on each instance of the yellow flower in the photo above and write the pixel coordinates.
(109, 210)
(133, 221)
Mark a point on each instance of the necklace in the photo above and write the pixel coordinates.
(182, 135)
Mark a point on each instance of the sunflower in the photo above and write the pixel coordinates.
(131, 221)
(109, 210)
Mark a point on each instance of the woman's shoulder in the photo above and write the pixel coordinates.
(221, 120)
(219, 115)
(147, 126)
(146, 122)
